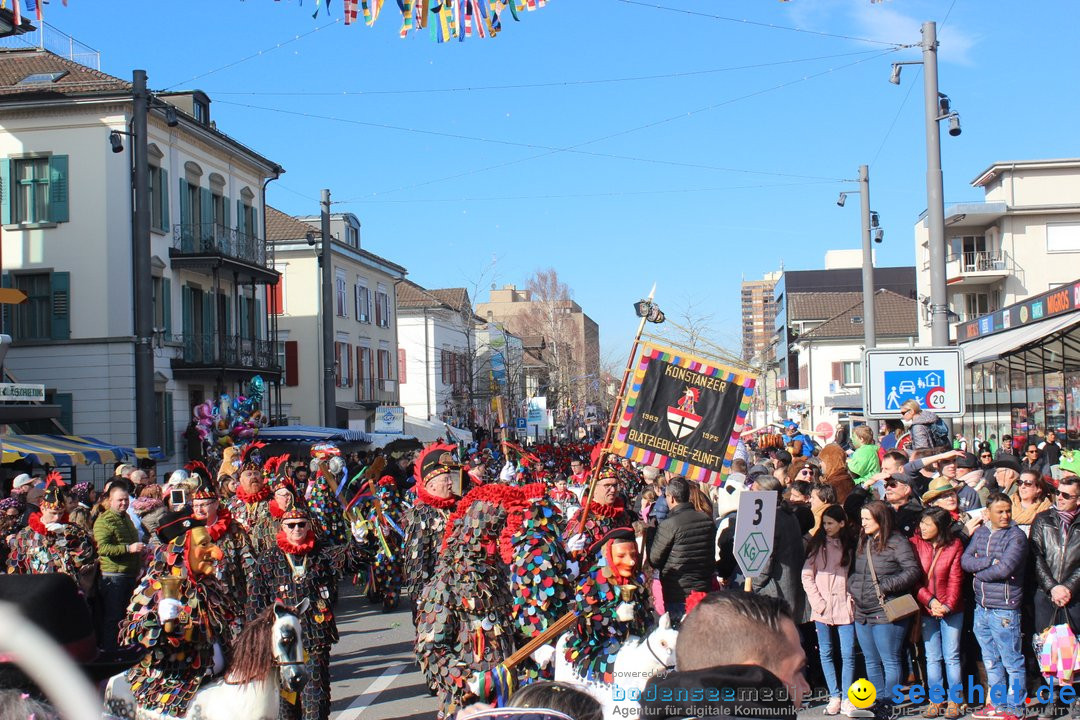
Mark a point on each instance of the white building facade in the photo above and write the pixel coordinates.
(66, 207)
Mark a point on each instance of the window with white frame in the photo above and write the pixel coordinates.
(342, 305)
(1062, 237)
(362, 301)
(853, 372)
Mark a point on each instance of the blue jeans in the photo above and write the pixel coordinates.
(941, 638)
(881, 650)
(114, 593)
(998, 633)
(828, 661)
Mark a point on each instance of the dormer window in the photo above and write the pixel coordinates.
(202, 112)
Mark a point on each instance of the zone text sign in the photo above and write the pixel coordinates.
(933, 376)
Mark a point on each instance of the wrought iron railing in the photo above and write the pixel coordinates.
(213, 238)
(214, 349)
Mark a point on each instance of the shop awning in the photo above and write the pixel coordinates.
(70, 450)
(429, 430)
(1010, 342)
(311, 434)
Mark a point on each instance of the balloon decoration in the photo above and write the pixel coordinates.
(231, 420)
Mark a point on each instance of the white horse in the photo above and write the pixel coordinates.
(268, 657)
(637, 660)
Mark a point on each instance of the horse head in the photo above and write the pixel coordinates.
(287, 643)
(661, 642)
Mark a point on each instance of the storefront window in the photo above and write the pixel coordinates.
(1072, 409)
(1055, 402)
(1036, 401)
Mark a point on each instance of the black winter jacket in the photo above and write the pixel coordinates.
(682, 550)
(898, 572)
(1056, 553)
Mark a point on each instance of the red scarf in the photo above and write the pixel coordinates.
(36, 524)
(423, 496)
(256, 498)
(290, 549)
(275, 510)
(221, 525)
(607, 511)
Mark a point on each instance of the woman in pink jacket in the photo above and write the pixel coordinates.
(829, 555)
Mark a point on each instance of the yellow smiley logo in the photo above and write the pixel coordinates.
(862, 693)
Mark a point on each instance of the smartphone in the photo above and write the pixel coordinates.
(177, 497)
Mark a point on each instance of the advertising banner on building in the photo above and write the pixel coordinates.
(389, 419)
(683, 414)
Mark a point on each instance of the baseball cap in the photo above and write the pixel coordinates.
(22, 480)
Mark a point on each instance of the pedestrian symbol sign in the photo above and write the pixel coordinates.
(755, 523)
(933, 377)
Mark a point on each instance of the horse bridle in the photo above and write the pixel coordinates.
(648, 646)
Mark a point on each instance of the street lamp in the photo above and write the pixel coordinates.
(937, 108)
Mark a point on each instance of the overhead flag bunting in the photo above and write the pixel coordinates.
(445, 20)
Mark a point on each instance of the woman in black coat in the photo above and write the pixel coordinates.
(898, 572)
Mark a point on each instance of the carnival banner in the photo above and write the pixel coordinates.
(683, 414)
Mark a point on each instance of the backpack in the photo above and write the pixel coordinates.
(939, 434)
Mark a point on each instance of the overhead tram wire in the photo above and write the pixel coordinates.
(576, 148)
(549, 84)
(770, 26)
(260, 53)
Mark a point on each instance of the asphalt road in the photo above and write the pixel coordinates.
(373, 672)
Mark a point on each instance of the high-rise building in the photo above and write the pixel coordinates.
(758, 314)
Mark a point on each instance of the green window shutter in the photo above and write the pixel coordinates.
(58, 188)
(259, 319)
(66, 401)
(243, 317)
(228, 316)
(225, 206)
(163, 183)
(209, 344)
(185, 209)
(5, 281)
(241, 217)
(168, 434)
(206, 211)
(166, 308)
(60, 286)
(186, 312)
(5, 192)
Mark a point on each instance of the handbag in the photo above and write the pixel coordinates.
(899, 607)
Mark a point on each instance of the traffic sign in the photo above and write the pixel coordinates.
(755, 523)
(21, 392)
(521, 424)
(933, 376)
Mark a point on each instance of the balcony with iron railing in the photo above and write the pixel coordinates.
(981, 267)
(209, 245)
(375, 391)
(201, 351)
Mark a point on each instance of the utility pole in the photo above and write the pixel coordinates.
(869, 322)
(328, 312)
(935, 194)
(146, 434)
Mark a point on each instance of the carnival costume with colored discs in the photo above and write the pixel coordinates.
(377, 528)
(237, 559)
(59, 547)
(184, 651)
(327, 471)
(251, 509)
(604, 596)
(537, 560)
(463, 618)
(601, 519)
(425, 522)
(291, 572)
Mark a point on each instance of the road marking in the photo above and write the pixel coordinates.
(364, 699)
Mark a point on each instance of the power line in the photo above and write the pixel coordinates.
(576, 148)
(771, 26)
(573, 196)
(253, 56)
(550, 84)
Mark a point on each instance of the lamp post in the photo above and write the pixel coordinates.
(937, 108)
(328, 311)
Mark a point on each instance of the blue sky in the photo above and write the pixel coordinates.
(650, 144)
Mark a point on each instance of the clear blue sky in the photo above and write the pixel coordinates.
(681, 206)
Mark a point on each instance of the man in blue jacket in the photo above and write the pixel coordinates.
(995, 556)
(791, 429)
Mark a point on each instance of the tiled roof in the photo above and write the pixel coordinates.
(19, 63)
(411, 295)
(281, 227)
(894, 316)
(819, 305)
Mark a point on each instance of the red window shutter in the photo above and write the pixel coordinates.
(292, 363)
(838, 371)
(274, 298)
(401, 365)
(359, 372)
(370, 374)
(803, 377)
(348, 354)
(337, 364)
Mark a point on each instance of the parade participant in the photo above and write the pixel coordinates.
(9, 526)
(322, 502)
(284, 496)
(84, 496)
(630, 478)
(463, 613)
(377, 528)
(612, 606)
(237, 560)
(119, 551)
(579, 478)
(299, 567)
(250, 508)
(605, 512)
(562, 496)
(52, 544)
(425, 522)
(180, 614)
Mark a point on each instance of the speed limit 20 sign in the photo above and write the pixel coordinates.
(933, 376)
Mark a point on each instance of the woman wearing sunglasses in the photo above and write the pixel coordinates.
(1032, 498)
(986, 456)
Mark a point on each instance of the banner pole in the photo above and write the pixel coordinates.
(616, 411)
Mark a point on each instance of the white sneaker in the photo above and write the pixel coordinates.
(833, 708)
(846, 708)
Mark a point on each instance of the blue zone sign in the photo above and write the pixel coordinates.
(932, 376)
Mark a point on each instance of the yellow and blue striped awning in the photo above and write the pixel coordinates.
(70, 450)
